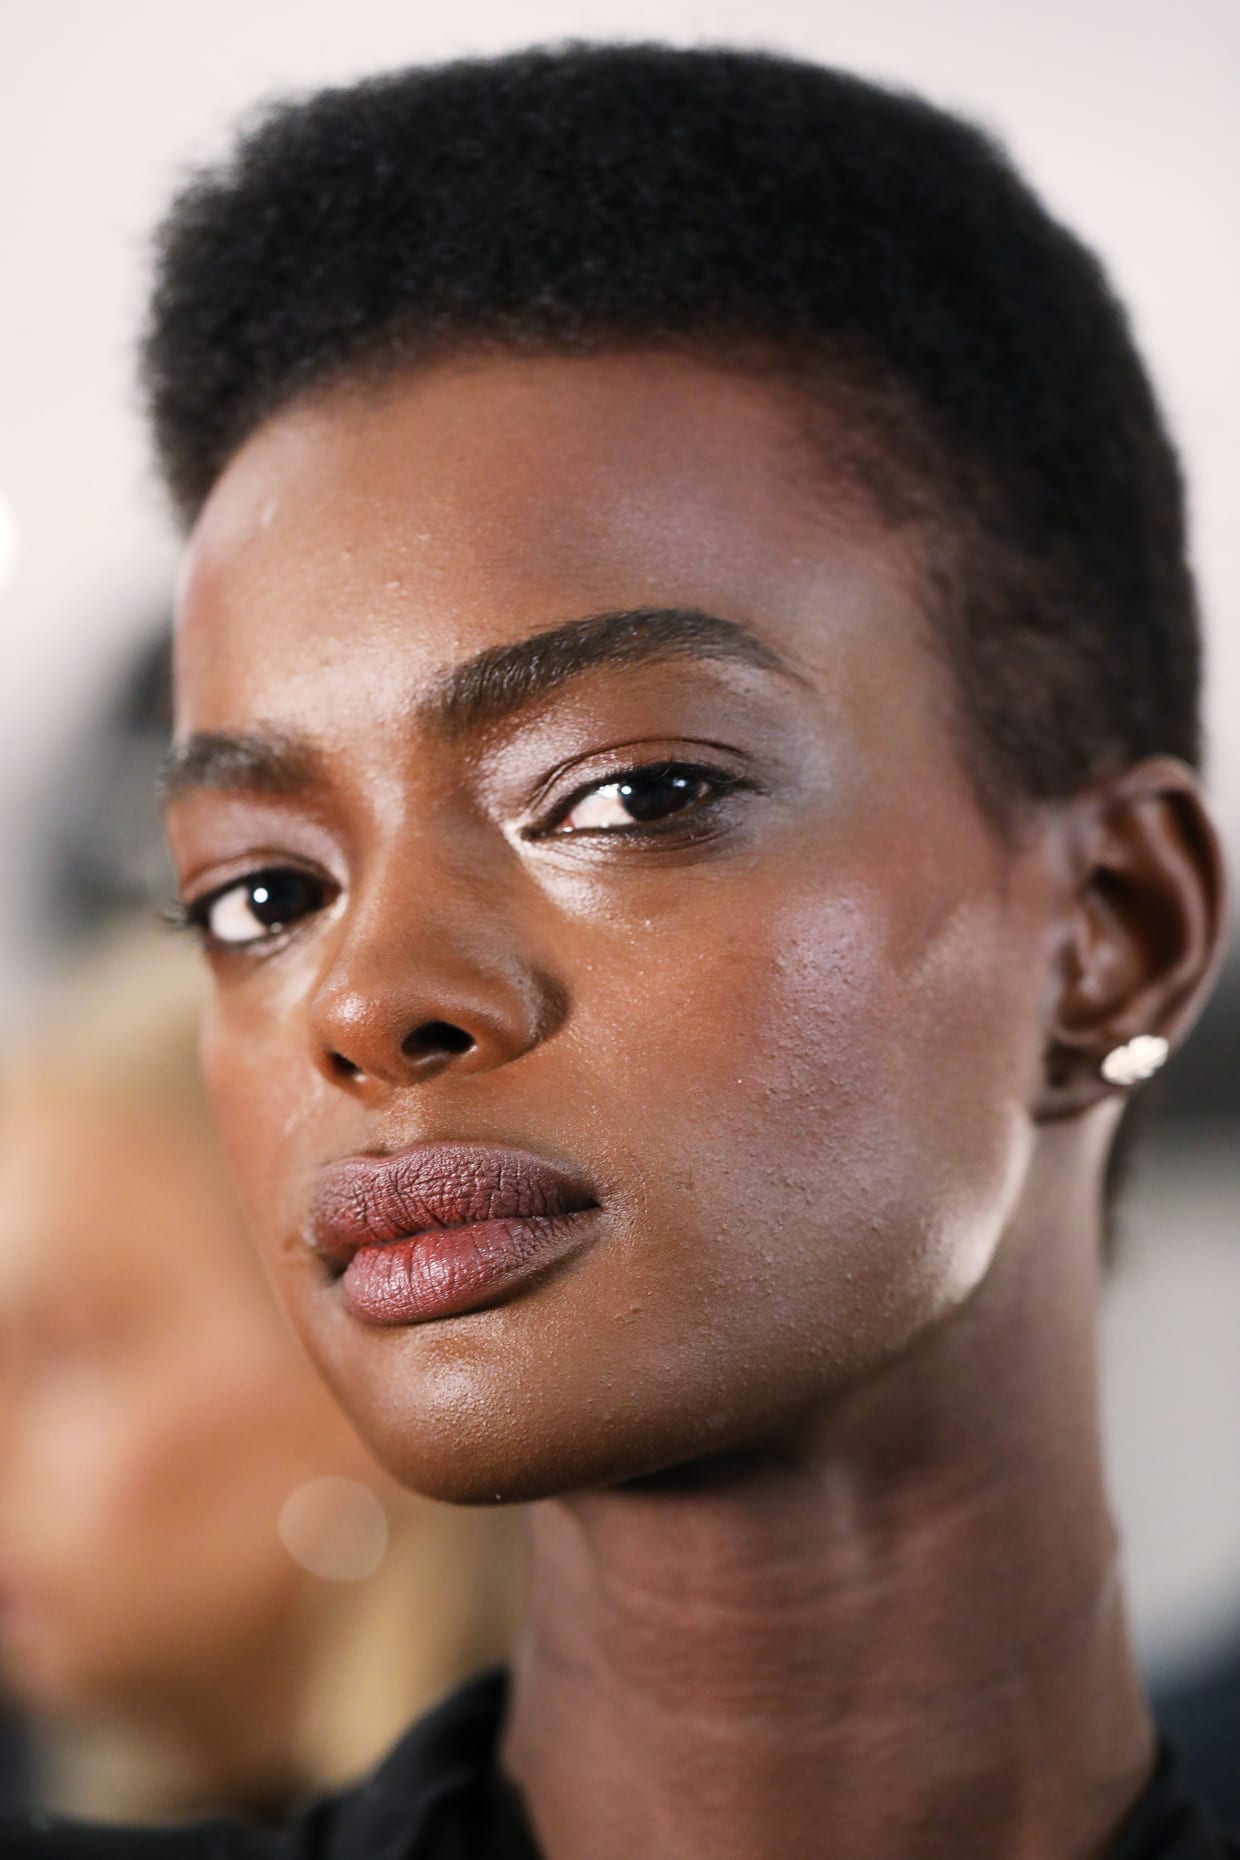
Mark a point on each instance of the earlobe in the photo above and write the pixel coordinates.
(1143, 931)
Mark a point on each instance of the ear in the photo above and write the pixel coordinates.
(1142, 934)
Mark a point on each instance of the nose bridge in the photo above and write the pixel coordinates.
(430, 968)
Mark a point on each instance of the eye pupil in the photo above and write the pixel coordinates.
(658, 793)
(279, 896)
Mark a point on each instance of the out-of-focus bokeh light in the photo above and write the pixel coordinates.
(8, 542)
(336, 1528)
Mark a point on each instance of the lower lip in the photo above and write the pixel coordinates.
(450, 1270)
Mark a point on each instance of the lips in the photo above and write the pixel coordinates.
(444, 1229)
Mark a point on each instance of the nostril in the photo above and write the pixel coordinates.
(435, 1039)
(342, 1067)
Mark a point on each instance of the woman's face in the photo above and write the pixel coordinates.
(772, 1005)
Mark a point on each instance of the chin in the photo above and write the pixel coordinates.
(469, 1413)
(598, 1378)
(493, 1450)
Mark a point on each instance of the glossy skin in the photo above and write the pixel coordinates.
(731, 1035)
(824, 1047)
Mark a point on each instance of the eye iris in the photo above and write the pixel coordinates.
(655, 795)
(277, 897)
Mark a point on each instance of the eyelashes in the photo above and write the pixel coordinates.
(667, 800)
(637, 800)
(259, 907)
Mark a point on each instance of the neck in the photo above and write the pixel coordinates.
(897, 1629)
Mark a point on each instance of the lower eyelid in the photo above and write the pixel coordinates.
(697, 821)
(269, 942)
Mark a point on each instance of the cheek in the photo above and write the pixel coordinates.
(843, 1077)
(264, 1097)
(809, 1101)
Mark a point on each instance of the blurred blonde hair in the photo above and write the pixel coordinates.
(122, 1020)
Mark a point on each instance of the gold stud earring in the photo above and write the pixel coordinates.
(1137, 1060)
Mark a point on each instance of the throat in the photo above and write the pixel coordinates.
(792, 1652)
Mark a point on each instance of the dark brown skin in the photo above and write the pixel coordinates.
(827, 1565)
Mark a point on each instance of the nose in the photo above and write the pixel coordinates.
(410, 992)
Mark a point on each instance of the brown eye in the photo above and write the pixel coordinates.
(643, 797)
(258, 907)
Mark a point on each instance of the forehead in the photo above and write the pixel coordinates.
(472, 503)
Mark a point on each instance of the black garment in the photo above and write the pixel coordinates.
(440, 1796)
(15, 1764)
(1201, 1716)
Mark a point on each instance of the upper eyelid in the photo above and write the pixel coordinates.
(623, 771)
(612, 761)
(255, 867)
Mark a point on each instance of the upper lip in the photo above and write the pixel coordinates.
(372, 1200)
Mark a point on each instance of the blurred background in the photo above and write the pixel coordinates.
(1124, 114)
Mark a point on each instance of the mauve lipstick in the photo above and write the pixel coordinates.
(444, 1228)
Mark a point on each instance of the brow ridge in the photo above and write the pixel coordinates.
(482, 691)
(260, 761)
(504, 679)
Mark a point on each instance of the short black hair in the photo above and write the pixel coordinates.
(880, 253)
(585, 196)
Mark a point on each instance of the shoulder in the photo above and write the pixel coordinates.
(438, 1796)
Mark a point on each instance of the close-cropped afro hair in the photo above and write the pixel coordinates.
(879, 254)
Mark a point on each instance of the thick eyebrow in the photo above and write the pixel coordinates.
(504, 679)
(261, 762)
(483, 690)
